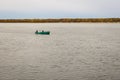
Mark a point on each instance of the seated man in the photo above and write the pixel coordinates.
(36, 31)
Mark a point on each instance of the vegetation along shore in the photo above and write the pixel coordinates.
(64, 20)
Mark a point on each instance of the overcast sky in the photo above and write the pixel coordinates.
(59, 8)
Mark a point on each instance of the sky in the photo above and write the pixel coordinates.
(13, 9)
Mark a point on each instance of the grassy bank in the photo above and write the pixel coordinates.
(64, 20)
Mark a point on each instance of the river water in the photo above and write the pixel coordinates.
(73, 51)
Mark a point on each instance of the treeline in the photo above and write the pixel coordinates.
(64, 20)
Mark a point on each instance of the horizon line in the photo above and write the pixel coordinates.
(65, 18)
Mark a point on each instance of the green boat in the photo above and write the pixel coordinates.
(42, 32)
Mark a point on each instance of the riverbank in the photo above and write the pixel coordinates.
(62, 20)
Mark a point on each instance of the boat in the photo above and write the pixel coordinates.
(42, 32)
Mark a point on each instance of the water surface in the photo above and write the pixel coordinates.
(73, 51)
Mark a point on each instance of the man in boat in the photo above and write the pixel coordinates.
(42, 30)
(36, 31)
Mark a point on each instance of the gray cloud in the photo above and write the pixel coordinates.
(76, 7)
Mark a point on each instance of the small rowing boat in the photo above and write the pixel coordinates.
(42, 32)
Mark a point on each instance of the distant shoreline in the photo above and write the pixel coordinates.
(62, 20)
